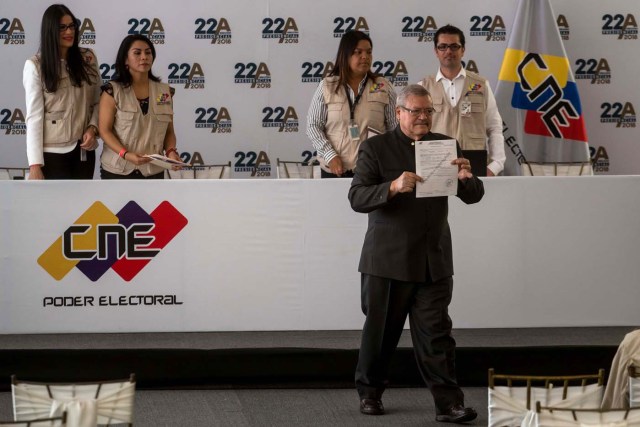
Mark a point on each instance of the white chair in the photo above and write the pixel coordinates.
(293, 169)
(40, 422)
(13, 173)
(634, 386)
(512, 404)
(86, 404)
(221, 171)
(556, 168)
(580, 417)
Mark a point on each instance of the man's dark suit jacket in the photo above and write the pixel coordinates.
(407, 237)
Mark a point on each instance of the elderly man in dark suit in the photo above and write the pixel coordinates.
(406, 260)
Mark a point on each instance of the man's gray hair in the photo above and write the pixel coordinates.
(411, 90)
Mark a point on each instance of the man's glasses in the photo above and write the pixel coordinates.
(419, 111)
(453, 46)
(64, 28)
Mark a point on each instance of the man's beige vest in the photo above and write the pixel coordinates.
(470, 131)
(369, 113)
(139, 133)
(70, 109)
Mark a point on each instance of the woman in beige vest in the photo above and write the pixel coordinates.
(136, 115)
(348, 102)
(62, 89)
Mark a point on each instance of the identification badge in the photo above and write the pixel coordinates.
(354, 132)
(465, 108)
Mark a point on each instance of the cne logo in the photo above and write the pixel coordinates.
(106, 72)
(258, 75)
(423, 29)
(623, 115)
(348, 24)
(625, 27)
(599, 159)
(395, 72)
(216, 119)
(286, 120)
(492, 28)
(152, 28)
(314, 72)
(258, 164)
(283, 29)
(596, 70)
(125, 242)
(87, 32)
(563, 27)
(12, 31)
(216, 30)
(544, 88)
(190, 75)
(12, 122)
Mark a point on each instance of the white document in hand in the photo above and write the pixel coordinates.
(163, 161)
(433, 164)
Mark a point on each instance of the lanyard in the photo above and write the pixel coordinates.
(352, 105)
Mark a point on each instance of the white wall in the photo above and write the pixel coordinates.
(283, 255)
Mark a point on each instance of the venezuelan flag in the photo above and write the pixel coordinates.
(537, 94)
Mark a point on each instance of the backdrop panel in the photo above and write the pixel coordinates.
(240, 255)
(245, 71)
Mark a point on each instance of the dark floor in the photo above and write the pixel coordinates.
(301, 407)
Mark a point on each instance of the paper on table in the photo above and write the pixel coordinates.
(165, 162)
(433, 164)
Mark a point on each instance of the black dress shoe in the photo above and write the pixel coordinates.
(457, 414)
(371, 406)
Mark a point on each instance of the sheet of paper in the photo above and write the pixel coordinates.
(165, 162)
(433, 164)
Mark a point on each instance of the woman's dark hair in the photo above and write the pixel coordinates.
(79, 70)
(122, 74)
(348, 45)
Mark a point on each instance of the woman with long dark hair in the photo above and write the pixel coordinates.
(136, 115)
(62, 91)
(348, 102)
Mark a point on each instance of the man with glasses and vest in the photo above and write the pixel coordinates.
(464, 105)
(406, 263)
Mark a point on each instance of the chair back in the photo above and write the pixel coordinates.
(580, 417)
(512, 397)
(60, 421)
(87, 404)
(291, 169)
(556, 168)
(13, 173)
(634, 386)
(221, 171)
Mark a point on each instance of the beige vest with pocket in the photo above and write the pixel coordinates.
(368, 113)
(139, 133)
(470, 131)
(70, 109)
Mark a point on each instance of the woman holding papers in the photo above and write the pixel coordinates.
(136, 115)
(348, 102)
(62, 90)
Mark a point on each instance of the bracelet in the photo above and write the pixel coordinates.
(122, 152)
(169, 150)
(95, 130)
(124, 156)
